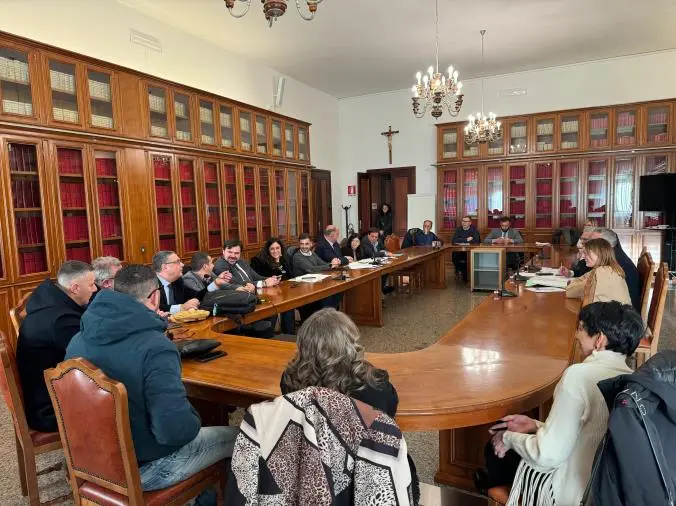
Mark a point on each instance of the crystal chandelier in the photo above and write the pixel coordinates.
(436, 90)
(274, 9)
(480, 128)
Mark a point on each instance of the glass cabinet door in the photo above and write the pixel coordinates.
(658, 124)
(569, 131)
(654, 164)
(597, 184)
(182, 117)
(264, 186)
(276, 137)
(227, 131)
(245, 131)
(157, 107)
(470, 195)
(469, 150)
(63, 80)
(292, 194)
(623, 192)
(568, 183)
(280, 199)
(108, 193)
(494, 195)
(544, 135)
(625, 127)
(164, 199)
(599, 129)
(517, 195)
(450, 199)
(289, 144)
(449, 142)
(250, 205)
(231, 205)
(496, 148)
(73, 193)
(101, 113)
(304, 202)
(544, 190)
(29, 221)
(186, 172)
(15, 83)
(207, 128)
(213, 204)
(518, 137)
(261, 134)
(303, 150)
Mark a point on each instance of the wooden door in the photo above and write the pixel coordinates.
(403, 184)
(364, 202)
(321, 199)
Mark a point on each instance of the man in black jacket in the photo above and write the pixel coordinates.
(174, 295)
(52, 318)
(466, 234)
(370, 245)
(242, 273)
(327, 247)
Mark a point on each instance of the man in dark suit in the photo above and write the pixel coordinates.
(327, 247)
(174, 295)
(370, 245)
(53, 315)
(465, 234)
(242, 273)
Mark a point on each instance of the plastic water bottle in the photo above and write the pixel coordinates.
(214, 311)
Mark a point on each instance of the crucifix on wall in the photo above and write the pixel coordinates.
(389, 135)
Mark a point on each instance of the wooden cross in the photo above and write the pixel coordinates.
(389, 135)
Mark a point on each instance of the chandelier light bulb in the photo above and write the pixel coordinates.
(425, 79)
(459, 86)
(430, 70)
(415, 91)
(418, 76)
(450, 71)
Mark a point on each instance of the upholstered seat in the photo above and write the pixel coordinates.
(499, 495)
(44, 438)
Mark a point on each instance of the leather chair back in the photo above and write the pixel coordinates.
(11, 388)
(656, 312)
(93, 418)
(17, 315)
(393, 243)
(645, 268)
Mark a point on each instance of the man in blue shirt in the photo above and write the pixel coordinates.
(422, 237)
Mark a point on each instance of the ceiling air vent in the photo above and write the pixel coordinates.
(145, 40)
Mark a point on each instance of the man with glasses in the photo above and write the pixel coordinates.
(242, 273)
(465, 234)
(174, 295)
(121, 334)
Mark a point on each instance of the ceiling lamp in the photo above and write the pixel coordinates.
(436, 90)
(274, 9)
(480, 128)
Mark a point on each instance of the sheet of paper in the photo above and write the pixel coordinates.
(311, 278)
(397, 254)
(542, 244)
(550, 270)
(359, 265)
(554, 281)
(544, 289)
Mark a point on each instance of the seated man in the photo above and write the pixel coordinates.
(305, 261)
(371, 248)
(53, 315)
(506, 235)
(175, 296)
(123, 336)
(201, 275)
(465, 234)
(328, 246)
(105, 269)
(241, 272)
(422, 237)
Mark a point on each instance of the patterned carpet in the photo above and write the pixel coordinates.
(408, 327)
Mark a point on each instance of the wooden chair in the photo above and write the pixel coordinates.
(93, 416)
(498, 496)
(29, 443)
(648, 346)
(589, 290)
(17, 314)
(393, 243)
(645, 266)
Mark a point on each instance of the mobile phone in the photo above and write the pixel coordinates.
(212, 355)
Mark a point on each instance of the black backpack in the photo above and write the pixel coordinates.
(635, 463)
(229, 302)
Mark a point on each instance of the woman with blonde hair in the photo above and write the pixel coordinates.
(606, 278)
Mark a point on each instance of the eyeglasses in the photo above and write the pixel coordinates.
(153, 292)
(173, 262)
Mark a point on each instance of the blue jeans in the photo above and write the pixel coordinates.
(209, 446)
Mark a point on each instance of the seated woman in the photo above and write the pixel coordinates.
(352, 247)
(550, 463)
(606, 276)
(329, 355)
(272, 261)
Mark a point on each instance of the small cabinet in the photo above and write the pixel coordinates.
(469, 151)
(516, 131)
(17, 83)
(448, 184)
(448, 142)
(276, 135)
(226, 126)
(626, 127)
(303, 144)
(545, 133)
(64, 92)
(261, 134)
(158, 112)
(658, 122)
(488, 268)
(183, 131)
(102, 101)
(207, 123)
(245, 131)
(571, 131)
(289, 141)
(599, 128)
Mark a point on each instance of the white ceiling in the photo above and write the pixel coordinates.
(357, 47)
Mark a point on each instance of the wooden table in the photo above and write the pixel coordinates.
(513, 248)
(504, 357)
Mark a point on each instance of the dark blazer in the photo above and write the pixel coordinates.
(368, 251)
(385, 223)
(52, 319)
(327, 252)
(266, 269)
(182, 293)
(461, 235)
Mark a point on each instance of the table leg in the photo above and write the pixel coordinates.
(434, 271)
(364, 305)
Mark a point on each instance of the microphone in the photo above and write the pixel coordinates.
(518, 277)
